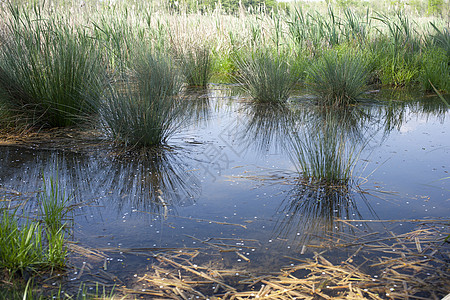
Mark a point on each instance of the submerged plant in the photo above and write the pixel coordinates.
(338, 78)
(266, 76)
(147, 110)
(50, 71)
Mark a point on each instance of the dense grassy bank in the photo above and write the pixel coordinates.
(57, 60)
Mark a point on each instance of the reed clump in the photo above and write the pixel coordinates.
(34, 245)
(195, 64)
(146, 110)
(338, 77)
(266, 76)
(324, 154)
(51, 72)
(435, 70)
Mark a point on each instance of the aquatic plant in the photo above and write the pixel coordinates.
(21, 244)
(146, 111)
(28, 246)
(338, 78)
(54, 207)
(325, 154)
(435, 70)
(195, 64)
(51, 72)
(266, 76)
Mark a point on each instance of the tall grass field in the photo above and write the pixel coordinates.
(65, 64)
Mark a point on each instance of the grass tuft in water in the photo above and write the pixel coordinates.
(21, 244)
(325, 155)
(147, 110)
(54, 209)
(29, 246)
(266, 76)
(338, 78)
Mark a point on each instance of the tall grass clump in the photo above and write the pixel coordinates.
(20, 244)
(338, 78)
(50, 70)
(398, 48)
(28, 245)
(325, 155)
(54, 208)
(435, 70)
(147, 110)
(195, 63)
(266, 76)
(440, 38)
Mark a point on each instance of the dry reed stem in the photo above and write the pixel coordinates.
(402, 266)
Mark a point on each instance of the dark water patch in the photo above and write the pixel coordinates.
(228, 190)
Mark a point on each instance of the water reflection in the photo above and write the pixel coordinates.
(198, 104)
(157, 181)
(355, 123)
(267, 125)
(311, 211)
(393, 114)
(326, 149)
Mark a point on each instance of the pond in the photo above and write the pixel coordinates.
(228, 195)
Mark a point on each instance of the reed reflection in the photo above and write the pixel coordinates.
(156, 181)
(198, 104)
(325, 150)
(317, 211)
(267, 125)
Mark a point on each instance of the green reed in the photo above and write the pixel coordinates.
(50, 71)
(435, 70)
(21, 247)
(338, 78)
(195, 63)
(146, 110)
(38, 243)
(54, 208)
(266, 76)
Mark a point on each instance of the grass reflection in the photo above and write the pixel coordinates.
(324, 156)
(268, 125)
(198, 104)
(311, 210)
(157, 182)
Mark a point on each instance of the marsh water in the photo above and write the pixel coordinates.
(231, 178)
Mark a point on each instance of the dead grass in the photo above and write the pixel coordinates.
(69, 139)
(412, 265)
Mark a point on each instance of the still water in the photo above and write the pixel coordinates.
(233, 178)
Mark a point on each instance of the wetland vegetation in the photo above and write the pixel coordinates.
(224, 150)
